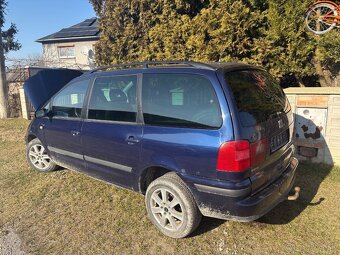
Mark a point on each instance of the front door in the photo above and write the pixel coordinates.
(63, 128)
(111, 135)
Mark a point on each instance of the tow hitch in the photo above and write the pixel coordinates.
(296, 195)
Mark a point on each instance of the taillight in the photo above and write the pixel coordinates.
(234, 156)
(238, 156)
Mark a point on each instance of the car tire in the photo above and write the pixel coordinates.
(171, 206)
(37, 157)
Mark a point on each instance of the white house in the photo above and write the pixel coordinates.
(71, 47)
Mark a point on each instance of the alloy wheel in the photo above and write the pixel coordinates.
(38, 157)
(167, 209)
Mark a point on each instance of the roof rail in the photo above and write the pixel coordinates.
(155, 63)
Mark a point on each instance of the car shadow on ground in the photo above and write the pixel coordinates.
(207, 224)
(309, 177)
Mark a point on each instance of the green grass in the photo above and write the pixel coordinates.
(65, 212)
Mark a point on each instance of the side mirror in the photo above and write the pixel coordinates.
(41, 113)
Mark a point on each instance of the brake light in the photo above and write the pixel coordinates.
(234, 156)
(238, 156)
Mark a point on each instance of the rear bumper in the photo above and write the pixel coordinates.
(238, 204)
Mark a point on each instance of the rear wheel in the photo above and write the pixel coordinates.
(321, 18)
(171, 206)
(38, 158)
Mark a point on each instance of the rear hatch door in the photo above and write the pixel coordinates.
(263, 115)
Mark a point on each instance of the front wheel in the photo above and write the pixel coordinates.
(171, 206)
(321, 18)
(38, 158)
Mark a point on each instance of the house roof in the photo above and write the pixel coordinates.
(87, 29)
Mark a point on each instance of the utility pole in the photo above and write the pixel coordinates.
(3, 82)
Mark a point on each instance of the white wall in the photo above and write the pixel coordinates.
(81, 59)
(323, 106)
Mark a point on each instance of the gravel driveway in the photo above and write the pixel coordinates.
(10, 242)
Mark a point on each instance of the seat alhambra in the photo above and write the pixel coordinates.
(211, 139)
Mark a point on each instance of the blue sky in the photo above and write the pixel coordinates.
(38, 18)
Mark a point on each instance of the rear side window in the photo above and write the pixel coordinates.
(114, 99)
(257, 95)
(69, 101)
(180, 100)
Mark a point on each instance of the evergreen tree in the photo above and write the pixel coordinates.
(270, 33)
(286, 49)
(329, 56)
(143, 30)
(7, 43)
(168, 37)
(330, 48)
(8, 39)
(225, 31)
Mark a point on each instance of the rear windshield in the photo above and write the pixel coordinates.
(257, 95)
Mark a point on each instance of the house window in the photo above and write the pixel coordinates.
(66, 52)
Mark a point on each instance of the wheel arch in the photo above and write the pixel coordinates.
(30, 137)
(151, 173)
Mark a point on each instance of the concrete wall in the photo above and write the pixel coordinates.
(24, 104)
(82, 59)
(317, 123)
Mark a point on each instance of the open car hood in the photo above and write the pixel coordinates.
(42, 86)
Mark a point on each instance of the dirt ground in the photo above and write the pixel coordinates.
(10, 242)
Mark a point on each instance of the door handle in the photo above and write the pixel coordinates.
(75, 133)
(131, 140)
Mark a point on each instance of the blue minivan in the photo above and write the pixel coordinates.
(212, 139)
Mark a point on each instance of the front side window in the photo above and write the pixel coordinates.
(66, 52)
(180, 100)
(69, 101)
(114, 99)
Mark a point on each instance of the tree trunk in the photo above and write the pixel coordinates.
(324, 79)
(300, 82)
(317, 62)
(3, 83)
